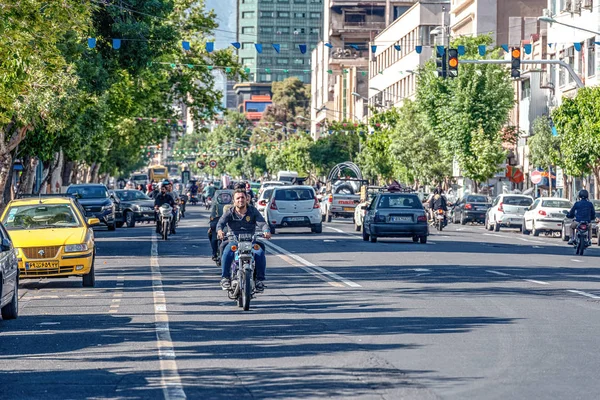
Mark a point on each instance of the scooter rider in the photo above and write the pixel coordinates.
(159, 200)
(242, 218)
(582, 211)
(438, 202)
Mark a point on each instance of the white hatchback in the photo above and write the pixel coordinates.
(293, 206)
(507, 210)
(546, 214)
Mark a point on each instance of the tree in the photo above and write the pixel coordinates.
(544, 148)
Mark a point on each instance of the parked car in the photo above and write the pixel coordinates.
(566, 224)
(9, 277)
(96, 202)
(293, 206)
(132, 206)
(367, 194)
(395, 215)
(507, 210)
(546, 214)
(471, 208)
(53, 238)
(263, 199)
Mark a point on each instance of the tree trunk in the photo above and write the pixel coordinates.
(67, 171)
(6, 173)
(28, 176)
(94, 172)
(549, 181)
(568, 182)
(56, 177)
(475, 186)
(75, 173)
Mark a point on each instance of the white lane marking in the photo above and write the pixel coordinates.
(49, 323)
(576, 260)
(531, 241)
(538, 282)
(345, 233)
(421, 269)
(170, 380)
(497, 273)
(323, 271)
(200, 270)
(329, 241)
(591, 296)
(335, 229)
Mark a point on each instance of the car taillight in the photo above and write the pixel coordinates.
(273, 205)
(542, 212)
(468, 206)
(317, 205)
(421, 218)
(583, 227)
(262, 202)
(379, 218)
(500, 208)
(330, 198)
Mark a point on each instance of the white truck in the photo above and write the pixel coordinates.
(342, 193)
(287, 176)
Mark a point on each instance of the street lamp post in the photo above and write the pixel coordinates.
(551, 20)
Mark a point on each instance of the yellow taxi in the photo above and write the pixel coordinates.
(53, 238)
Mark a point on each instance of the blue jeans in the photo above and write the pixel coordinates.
(260, 262)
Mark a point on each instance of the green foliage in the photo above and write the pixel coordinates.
(294, 155)
(544, 149)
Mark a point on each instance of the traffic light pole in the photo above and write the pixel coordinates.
(563, 64)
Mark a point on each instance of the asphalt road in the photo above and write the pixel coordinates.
(470, 315)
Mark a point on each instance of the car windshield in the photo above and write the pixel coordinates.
(224, 198)
(556, 203)
(89, 192)
(267, 194)
(400, 201)
(41, 216)
(517, 201)
(294, 194)
(129, 195)
(477, 199)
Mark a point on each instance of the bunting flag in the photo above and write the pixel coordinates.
(247, 70)
(482, 49)
(186, 45)
(397, 47)
(302, 48)
(505, 47)
(355, 47)
(91, 42)
(441, 50)
(116, 44)
(329, 71)
(328, 45)
(285, 71)
(419, 49)
(237, 45)
(258, 47)
(461, 50)
(210, 46)
(550, 45)
(277, 48)
(268, 70)
(527, 48)
(597, 43)
(373, 49)
(364, 73)
(576, 45)
(228, 70)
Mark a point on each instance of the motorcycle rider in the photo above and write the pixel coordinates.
(209, 191)
(216, 212)
(438, 202)
(242, 218)
(163, 198)
(582, 211)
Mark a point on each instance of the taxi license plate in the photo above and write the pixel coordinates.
(41, 264)
(401, 219)
(348, 209)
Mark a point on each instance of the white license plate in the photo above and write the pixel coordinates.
(296, 219)
(401, 219)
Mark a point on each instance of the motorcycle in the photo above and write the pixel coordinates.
(581, 239)
(193, 198)
(242, 269)
(183, 199)
(440, 219)
(208, 203)
(165, 218)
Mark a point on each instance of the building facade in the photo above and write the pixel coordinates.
(287, 23)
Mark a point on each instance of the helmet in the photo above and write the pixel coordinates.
(165, 182)
(436, 191)
(583, 194)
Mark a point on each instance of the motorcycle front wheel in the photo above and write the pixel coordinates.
(246, 291)
(165, 230)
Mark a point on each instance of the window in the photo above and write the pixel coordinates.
(283, 14)
(299, 61)
(409, 201)
(248, 61)
(299, 15)
(299, 31)
(282, 61)
(316, 1)
(247, 14)
(265, 61)
(266, 29)
(526, 89)
(517, 201)
(314, 31)
(285, 46)
(247, 46)
(264, 77)
(248, 29)
(267, 14)
(354, 19)
(299, 1)
(316, 15)
(283, 30)
(570, 55)
(591, 57)
(247, 1)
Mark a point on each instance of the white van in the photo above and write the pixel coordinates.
(287, 176)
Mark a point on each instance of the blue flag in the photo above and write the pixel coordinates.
(328, 45)
(302, 48)
(419, 49)
(461, 50)
(237, 45)
(186, 45)
(258, 47)
(527, 48)
(397, 47)
(373, 49)
(482, 49)
(91, 42)
(277, 48)
(116, 44)
(210, 46)
(505, 47)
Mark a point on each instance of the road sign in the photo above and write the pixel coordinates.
(212, 164)
(200, 164)
(536, 177)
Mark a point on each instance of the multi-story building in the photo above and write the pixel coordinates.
(288, 23)
(477, 17)
(340, 62)
(391, 74)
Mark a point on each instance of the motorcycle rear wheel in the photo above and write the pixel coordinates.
(580, 247)
(165, 230)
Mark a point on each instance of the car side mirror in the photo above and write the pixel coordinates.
(93, 221)
(6, 244)
(363, 207)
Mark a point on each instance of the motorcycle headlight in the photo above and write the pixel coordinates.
(73, 248)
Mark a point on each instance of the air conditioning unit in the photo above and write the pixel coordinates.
(587, 4)
(568, 6)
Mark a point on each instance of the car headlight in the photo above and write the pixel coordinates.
(135, 207)
(107, 207)
(147, 208)
(72, 248)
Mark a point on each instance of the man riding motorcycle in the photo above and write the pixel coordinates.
(216, 212)
(582, 211)
(242, 218)
(163, 198)
(438, 202)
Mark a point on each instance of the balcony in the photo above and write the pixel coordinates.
(349, 57)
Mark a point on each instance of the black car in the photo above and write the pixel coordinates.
(132, 206)
(9, 277)
(471, 208)
(96, 202)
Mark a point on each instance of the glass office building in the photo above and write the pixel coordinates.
(288, 23)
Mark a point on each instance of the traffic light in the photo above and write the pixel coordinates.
(515, 62)
(452, 63)
(440, 62)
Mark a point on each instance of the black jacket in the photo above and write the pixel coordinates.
(583, 210)
(438, 202)
(164, 199)
(246, 224)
